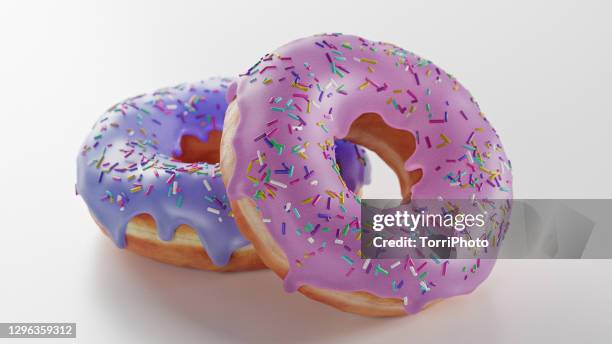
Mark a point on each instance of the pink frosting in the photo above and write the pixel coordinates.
(307, 93)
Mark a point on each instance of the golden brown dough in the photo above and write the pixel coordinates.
(184, 250)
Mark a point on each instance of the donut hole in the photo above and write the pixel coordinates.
(394, 146)
(195, 150)
(384, 184)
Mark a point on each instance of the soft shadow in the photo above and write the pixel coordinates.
(250, 306)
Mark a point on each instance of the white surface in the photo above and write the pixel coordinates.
(541, 71)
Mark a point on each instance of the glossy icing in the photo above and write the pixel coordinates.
(126, 167)
(320, 85)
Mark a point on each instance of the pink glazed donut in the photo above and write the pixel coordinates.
(425, 125)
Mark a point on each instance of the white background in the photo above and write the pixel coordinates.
(541, 72)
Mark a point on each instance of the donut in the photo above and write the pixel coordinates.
(149, 174)
(419, 119)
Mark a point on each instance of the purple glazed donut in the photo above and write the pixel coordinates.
(149, 174)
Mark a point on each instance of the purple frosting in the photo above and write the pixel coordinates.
(126, 167)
